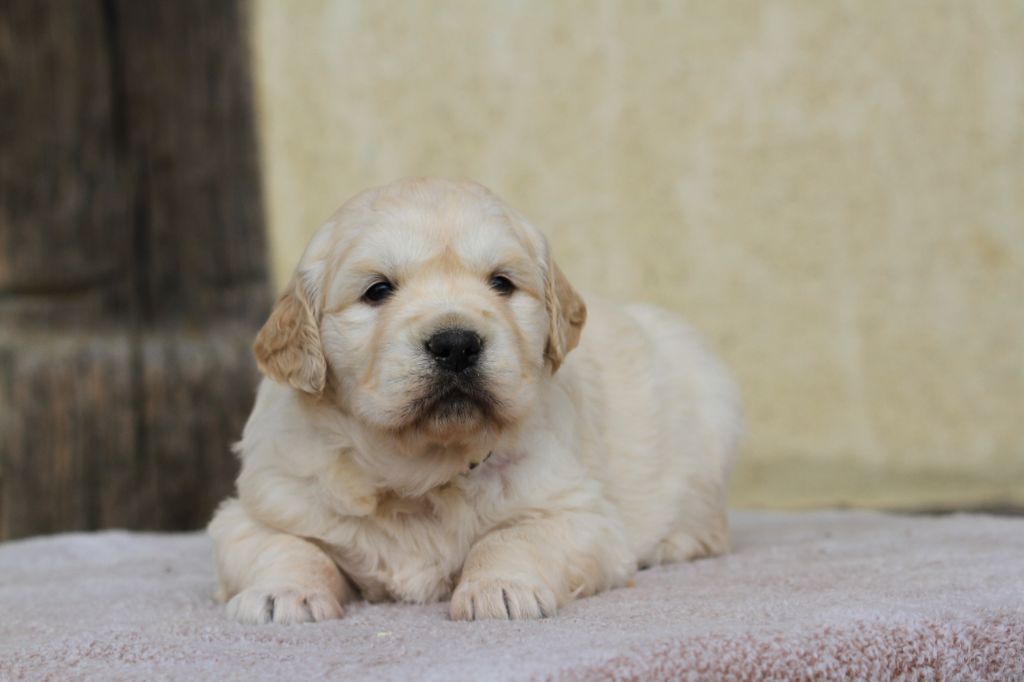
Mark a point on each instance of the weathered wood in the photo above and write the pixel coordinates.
(64, 231)
(199, 389)
(67, 423)
(190, 139)
(132, 264)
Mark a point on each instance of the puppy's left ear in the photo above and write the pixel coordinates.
(288, 348)
(566, 311)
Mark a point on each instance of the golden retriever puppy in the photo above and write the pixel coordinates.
(426, 430)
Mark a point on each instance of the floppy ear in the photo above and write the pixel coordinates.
(566, 311)
(288, 348)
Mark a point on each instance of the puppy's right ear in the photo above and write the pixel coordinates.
(288, 348)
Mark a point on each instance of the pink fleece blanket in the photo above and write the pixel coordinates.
(825, 595)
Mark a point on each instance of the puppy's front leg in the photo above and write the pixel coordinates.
(271, 576)
(530, 568)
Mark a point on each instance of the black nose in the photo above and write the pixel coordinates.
(455, 349)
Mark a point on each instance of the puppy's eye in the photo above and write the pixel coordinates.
(378, 292)
(503, 285)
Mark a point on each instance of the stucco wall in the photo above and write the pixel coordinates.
(833, 191)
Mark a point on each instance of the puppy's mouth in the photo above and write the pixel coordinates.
(454, 401)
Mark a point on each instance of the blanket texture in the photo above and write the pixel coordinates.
(825, 595)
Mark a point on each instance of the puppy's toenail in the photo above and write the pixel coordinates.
(508, 609)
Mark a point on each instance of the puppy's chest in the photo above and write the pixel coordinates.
(408, 550)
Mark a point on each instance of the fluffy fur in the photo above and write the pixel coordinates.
(549, 474)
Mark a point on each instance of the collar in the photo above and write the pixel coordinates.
(474, 465)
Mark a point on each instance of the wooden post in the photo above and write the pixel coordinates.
(132, 261)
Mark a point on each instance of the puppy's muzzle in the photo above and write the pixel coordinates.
(455, 350)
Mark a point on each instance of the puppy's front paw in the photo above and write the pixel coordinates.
(283, 604)
(477, 599)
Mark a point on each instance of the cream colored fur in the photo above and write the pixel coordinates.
(592, 462)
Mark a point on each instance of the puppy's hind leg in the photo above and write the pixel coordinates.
(271, 576)
(685, 543)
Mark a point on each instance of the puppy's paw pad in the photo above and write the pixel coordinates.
(502, 600)
(283, 604)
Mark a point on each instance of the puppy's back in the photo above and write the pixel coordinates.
(660, 420)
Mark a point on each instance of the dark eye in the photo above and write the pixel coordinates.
(503, 285)
(378, 292)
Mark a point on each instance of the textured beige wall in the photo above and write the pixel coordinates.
(833, 191)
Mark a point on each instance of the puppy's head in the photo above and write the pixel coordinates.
(424, 307)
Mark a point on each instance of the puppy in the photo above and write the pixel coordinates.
(426, 430)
